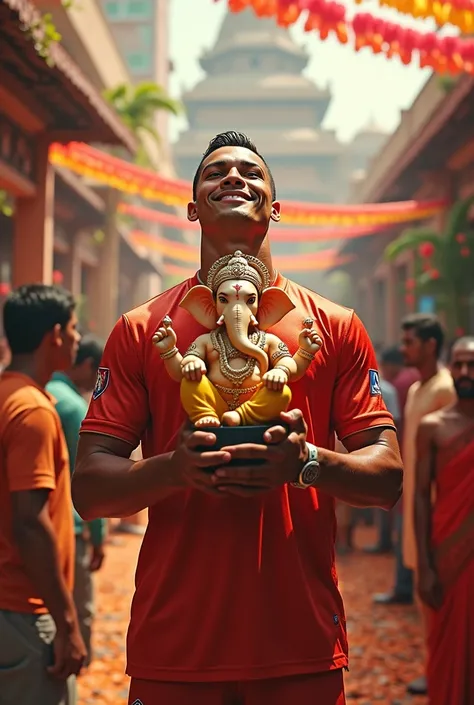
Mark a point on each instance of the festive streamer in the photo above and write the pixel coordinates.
(277, 235)
(181, 252)
(443, 54)
(187, 272)
(135, 180)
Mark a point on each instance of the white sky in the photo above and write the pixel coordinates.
(365, 87)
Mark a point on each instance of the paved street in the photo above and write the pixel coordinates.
(385, 642)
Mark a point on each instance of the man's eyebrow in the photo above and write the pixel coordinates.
(225, 162)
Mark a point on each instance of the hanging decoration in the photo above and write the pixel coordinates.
(448, 54)
(129, 178)
(276, 234)
(183, 253)
(459, 14)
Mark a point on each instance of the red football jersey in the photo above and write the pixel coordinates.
(231, 588)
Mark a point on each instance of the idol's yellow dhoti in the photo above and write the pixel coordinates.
(202, 399)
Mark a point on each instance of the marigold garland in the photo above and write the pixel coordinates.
(449, 54)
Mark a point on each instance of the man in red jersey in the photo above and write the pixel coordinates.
(236, 590)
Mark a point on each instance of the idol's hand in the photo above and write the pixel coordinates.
(308, 339)
(165, 338)
(283, 457)
(193, 368)
(275, 379)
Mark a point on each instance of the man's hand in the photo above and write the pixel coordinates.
(194, 466)
(69, 653)
(97, 558)
(429, 588)
(282, 458)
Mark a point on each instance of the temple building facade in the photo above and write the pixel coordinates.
(255, 83)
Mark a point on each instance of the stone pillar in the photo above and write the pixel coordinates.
(106, 284)
(73, 267)
(34, 226)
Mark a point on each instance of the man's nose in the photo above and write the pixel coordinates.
(233, 178)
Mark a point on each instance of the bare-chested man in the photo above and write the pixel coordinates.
(445, 535)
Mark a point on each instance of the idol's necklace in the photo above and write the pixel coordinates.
(221, 342)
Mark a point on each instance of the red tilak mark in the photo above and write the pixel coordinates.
(237, 287)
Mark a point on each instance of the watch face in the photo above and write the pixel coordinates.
(310, 473)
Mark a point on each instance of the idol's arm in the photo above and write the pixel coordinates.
(295, 366)
(369, 475)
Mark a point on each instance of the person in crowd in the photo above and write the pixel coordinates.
(445, 535)
(401, 377)
(69, 389)
(237, 596)
(41, 648)
(422, 345)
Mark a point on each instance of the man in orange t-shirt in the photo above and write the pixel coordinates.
(41, 649)
(236, 589)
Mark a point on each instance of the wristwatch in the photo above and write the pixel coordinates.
(310, 471)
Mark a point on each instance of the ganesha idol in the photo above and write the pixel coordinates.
(237, 374)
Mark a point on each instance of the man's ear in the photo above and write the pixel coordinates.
(192, 212)
(276, 211)
(56, 336)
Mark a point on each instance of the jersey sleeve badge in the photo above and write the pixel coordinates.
(103, 378)
(374, 384)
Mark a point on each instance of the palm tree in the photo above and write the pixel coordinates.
(137, 105)
(444, 263)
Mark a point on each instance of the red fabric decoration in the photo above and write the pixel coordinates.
(5, 288)
(58, 277)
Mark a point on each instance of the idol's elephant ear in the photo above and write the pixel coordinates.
(273, 305)
(199, 301)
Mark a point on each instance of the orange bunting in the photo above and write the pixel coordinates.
(447, 54)
(180, 252)
(129, 178)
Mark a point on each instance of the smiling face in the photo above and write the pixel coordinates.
(234, 183)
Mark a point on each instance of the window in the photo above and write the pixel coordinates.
(139, 62)
(139, 8)
(146, 36)
(112, 9)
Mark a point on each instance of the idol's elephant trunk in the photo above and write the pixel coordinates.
(237, 322)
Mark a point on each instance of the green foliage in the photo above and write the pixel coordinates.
(44, 34)
(137, 106)
(452, 260)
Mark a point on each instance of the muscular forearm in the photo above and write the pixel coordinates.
(36, 543)
(369, 477)
(423, 530)
(105, 485)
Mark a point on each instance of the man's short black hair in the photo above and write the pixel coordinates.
(31, 311)
(231, 139)
(90, 348)
(425, 326)
(392, 356)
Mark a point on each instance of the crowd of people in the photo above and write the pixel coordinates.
(432, 402)
(237, 600)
